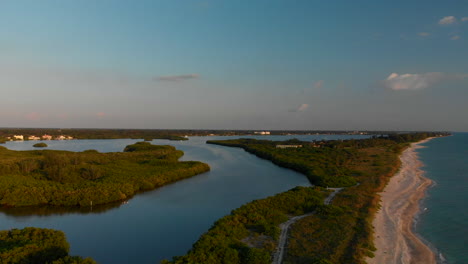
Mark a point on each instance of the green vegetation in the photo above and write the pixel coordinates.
(248, 235)
(340, 232)
(324, 165)
(345, 228)
(36, 246)
(147, 134)
(62, 178)
(40, 145)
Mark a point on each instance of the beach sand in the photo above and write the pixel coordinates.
(394, 238)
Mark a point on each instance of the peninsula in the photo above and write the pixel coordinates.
(340, 231)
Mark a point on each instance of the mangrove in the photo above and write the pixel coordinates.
(64, 178)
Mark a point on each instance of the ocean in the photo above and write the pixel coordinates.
(443, 223)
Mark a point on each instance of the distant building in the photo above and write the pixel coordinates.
(288, 146)
(63, 137)
(18, 137)
(262, 132)
(46, 137)
(34, 138)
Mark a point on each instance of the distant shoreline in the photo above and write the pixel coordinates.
(394, 237)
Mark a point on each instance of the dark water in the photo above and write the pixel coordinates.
(444, 224)
(165, 222)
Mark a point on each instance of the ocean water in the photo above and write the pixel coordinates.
(444, 219)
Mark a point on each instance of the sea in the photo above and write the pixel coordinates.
(443, 222)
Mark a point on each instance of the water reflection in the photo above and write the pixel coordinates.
(29, 211)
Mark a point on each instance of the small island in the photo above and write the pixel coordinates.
(37, 245)
(40, 145)
(64, 178)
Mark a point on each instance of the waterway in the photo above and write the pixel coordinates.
(165, 222)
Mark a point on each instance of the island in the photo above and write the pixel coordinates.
(40, 145)
(37, 246)
(333, 230)
(64, 178)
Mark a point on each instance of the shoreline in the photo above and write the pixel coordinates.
(394, 235)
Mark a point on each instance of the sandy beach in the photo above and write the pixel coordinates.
(393, 224)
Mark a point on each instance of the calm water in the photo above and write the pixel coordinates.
(445, 222)
(165, 222)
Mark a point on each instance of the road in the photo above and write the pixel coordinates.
(278, 256)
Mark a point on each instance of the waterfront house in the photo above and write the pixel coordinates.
(46, 137)
(262, 132)
(18, 137)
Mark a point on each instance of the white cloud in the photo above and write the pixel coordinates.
(177, 78)
(301, 108)
(100, 115)
(424, 34)
(464, 19)
(409, 81)
(33, 116)
(447, 20)
(318, 84)
(456, 37)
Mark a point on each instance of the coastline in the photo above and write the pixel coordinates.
(393, 224)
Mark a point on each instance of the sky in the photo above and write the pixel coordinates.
(246, 64)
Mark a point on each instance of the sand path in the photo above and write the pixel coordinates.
(279, 254)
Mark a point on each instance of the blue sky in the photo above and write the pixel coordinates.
(266, 64)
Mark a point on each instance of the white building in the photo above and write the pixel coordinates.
(289, 146)
(46, 137)
(34, 138)
(262, 132)
(18, 137)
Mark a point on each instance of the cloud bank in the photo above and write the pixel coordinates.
(409, 81)
(177, 78)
